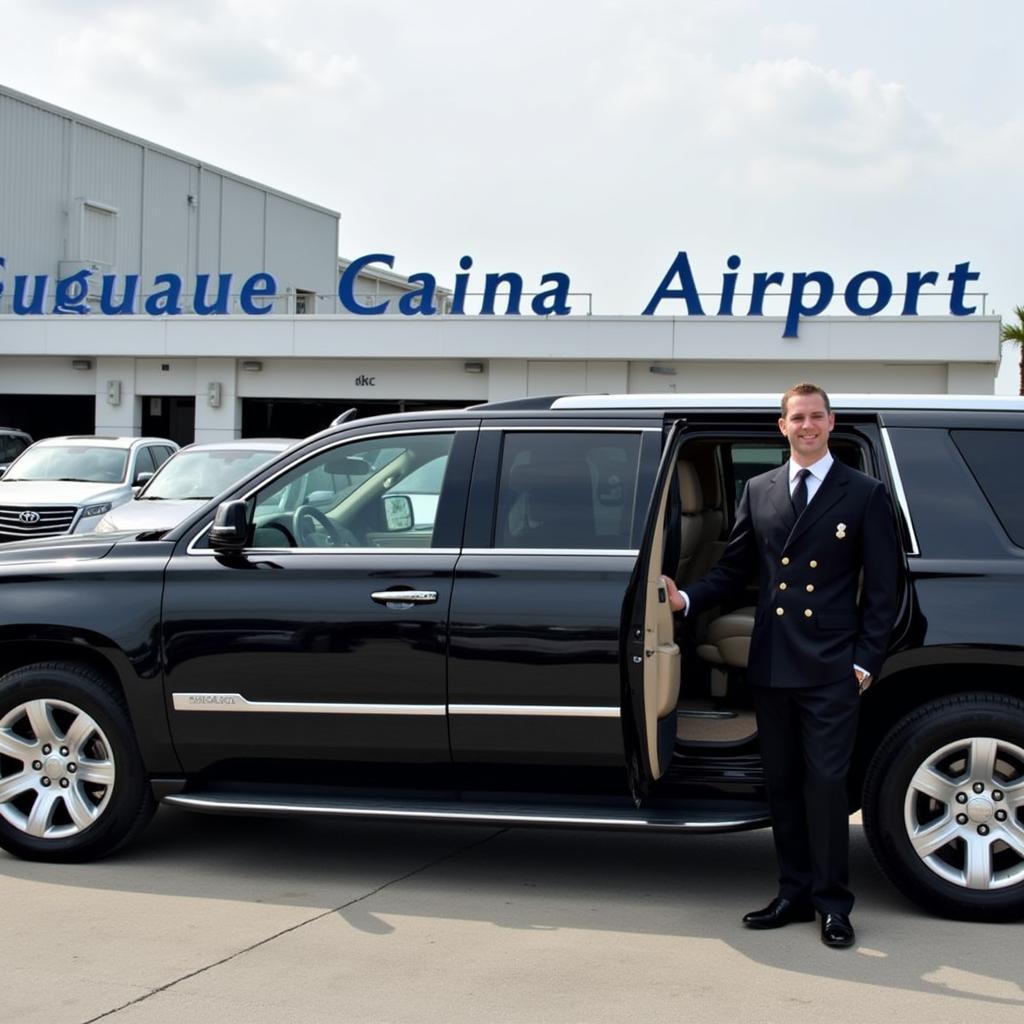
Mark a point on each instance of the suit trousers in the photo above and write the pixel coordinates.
(807, 736)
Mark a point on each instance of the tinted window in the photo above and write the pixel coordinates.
(161, 453)
(995, 457)
(750, 460)
(354, 495)
(199, 475)
(11, 446)
(144, 461)
(71, 462)
(567, 490)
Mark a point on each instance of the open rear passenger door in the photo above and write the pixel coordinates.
(651, 677)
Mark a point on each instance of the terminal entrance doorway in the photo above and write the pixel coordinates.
(300, 417)
(49, 415)
(171, 416)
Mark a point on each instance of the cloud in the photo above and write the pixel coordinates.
(790, 36)
(204, 53)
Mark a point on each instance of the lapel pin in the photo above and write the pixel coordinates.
(840, 531)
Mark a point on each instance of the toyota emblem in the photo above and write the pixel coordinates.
(28, 516)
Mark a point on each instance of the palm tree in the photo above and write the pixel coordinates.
(1015, 333)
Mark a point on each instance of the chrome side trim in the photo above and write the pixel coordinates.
(662, 822)
(631, 552)
(901, 496)
(236, 702)
(535, 710)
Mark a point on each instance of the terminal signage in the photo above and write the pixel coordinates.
(805, 294)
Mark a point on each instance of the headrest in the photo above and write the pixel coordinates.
(691, 499)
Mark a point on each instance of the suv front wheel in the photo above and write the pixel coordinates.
(72, 785)
(944, 806)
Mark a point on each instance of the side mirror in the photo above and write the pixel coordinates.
(142, 477)
(398, 512)
(230, 526)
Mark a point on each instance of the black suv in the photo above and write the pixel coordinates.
(460, 616)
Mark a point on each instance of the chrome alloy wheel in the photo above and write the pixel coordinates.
(56, 769)
(964, 813)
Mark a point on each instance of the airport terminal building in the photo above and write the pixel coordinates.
(146, 292)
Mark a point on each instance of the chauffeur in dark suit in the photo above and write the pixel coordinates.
(807, 531)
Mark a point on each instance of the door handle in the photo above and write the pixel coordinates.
(404, 596)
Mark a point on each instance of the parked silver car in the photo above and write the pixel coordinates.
(64, 485)
(194, 475)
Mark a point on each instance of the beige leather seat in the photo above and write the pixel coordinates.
(725, 639)
(693, 525)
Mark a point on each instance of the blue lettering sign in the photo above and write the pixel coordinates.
(259, 286)
(688, 292)
(19, 305)
(959, 277)
(220, 304)
(553, 300)
(126, 306)
(168, 301)
(420, 301)
(72, 293)
(852, 293)
(347, 283)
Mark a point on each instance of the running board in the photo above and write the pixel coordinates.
(678, 818)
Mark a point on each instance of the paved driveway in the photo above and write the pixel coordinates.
(255, 920)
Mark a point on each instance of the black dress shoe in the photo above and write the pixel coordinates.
(836, 930)
(779, 912)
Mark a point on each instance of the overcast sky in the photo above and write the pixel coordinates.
(595, 138)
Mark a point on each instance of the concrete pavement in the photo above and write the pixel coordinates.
(255, 920)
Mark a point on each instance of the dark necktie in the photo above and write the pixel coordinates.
(800, 491)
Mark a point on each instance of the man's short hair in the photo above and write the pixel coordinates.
(805, 388)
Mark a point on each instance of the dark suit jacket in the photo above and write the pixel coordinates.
(810, 629)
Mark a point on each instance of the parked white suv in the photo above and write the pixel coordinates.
(64, 485)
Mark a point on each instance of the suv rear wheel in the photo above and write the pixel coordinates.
(72, 785)
(944, 806)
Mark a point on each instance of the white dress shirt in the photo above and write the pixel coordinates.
(818, 472)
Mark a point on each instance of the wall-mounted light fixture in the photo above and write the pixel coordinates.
(81, 364)
(473, 367)
(113, 392)
(214, 391)
(252, 365)
(664, 371)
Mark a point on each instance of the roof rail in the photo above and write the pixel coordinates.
(533, 402)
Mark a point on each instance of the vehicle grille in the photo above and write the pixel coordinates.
(52, 522)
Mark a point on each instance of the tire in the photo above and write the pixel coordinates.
(944, 806)
(72, 783)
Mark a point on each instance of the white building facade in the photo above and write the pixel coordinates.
(79, 198)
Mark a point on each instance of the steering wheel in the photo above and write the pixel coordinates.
(304, 521)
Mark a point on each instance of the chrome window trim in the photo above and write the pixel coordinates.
(255, 552)
(590, 552)
(840, 401)
(235, 702)
(190, 550)
(901, 496)
(545, 429)
(536, 710)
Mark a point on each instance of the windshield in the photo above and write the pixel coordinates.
(71, 462)
(201, 475)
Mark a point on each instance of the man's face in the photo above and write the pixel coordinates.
(807, 426)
